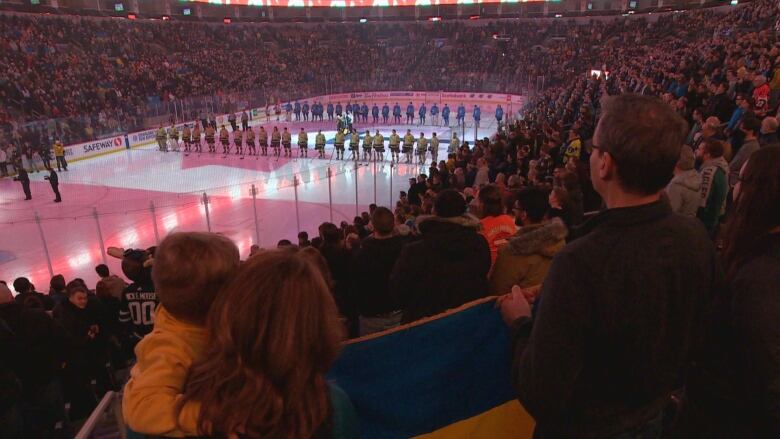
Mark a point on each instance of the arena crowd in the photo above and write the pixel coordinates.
(648, 318)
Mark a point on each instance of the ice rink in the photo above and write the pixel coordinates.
(135, 197)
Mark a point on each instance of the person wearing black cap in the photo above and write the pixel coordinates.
(447, 267)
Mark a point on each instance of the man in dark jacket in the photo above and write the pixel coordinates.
(378, 307)
(54, 181)
(24, 179)
(445, 269)
(26, 295)
(622, 305)
(338, 259)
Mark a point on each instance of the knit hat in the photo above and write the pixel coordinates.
(449, 203)
(687, 158)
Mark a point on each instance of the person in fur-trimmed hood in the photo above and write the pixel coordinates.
(526, 257)
(447, 267)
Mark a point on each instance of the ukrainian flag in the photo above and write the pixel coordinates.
(444, 377)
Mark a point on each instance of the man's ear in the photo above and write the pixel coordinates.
(606, 167)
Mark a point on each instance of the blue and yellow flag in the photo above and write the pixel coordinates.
(443, 377)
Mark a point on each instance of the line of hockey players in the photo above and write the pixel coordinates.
(373, 146)
(361, 112)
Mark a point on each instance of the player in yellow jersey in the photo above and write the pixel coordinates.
(319, 144)
(250, 140)
(395, 142)
(408, 143)
(367, 144)
(224, 139)
(303, 144)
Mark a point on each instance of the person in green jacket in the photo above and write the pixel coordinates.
(714, 184)
(319, 144)
(379, 146)
(367, 144)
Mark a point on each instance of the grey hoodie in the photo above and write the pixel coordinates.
(683, 192)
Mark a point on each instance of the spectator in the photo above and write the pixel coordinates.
(525, 259)
(619, 310)
(273, 333)
(447, 267)
(373, 263)
(496, 225)
(189, 271)
(303, 240)
(739, 360)
(751, 128)
(338, 259)
(714, 184)
(683, 190)
(83, 359)
(769, 132)
(57, 289)
(27, 296)
(111, 283)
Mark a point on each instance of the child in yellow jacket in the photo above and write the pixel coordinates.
(189, 269)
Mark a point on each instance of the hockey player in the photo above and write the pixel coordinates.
(186, 138)
(375, 113)
(250, 141)
(196, 138)
(454, 144)
(262, 137)
(287, 142)
(354, 141)
(422, 148)
(499, 116)
(423, 110)
(305, 110)
(287, 110)
(434, 148)
(445, 115)
(173, 138)
(303, 144)
(460, 117)
(395, 141)
(297, 111)
(367, 145)
(476, 114)
(396, 113)
(339, 145)
(161, 137)
(319, 144)
(435, 114)
(276, 139)
(409, 114)
(224, 139)
(408, 143)
(364, 112)
(238, 139)
(379, 146)
(385, 113)
(330, 110)
(338, 109)
(209, 133)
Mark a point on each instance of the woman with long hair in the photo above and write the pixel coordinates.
(734, 390)
(274, 332)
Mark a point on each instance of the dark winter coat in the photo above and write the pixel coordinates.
(617, 318)
(373, 264)
(445, 269)
(76, 323)
(40, 340)
(734, 390)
